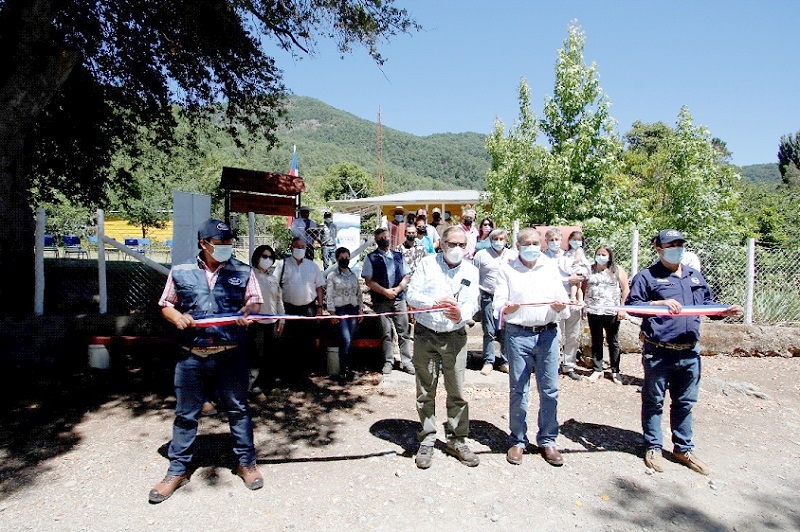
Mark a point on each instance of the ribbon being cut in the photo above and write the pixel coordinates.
(230, 318)
(641, 310)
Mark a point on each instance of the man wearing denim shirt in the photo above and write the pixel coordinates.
(670, 353)
(440, 343)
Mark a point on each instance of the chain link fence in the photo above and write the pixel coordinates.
(775, 279)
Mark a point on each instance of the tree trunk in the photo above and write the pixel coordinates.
(28, 87)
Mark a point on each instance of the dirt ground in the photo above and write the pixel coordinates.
(81, 453)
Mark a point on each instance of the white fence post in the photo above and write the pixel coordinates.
(634, 252)
(101, 262)
(38, 292)
(751, 279)
(514, 233)
(251, 218)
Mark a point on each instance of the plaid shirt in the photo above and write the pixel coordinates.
(252, 291)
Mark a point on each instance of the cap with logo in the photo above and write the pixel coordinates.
(214, 229)
(669, 235)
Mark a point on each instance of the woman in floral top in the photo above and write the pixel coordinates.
(606, 285)
(343, 295)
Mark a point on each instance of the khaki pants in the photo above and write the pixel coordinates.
(448, 351)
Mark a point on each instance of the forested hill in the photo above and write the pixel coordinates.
(325, 136)
(766, 173)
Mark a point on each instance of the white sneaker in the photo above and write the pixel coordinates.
(487, 369)
(595, 375)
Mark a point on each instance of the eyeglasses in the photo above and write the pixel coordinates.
(462, 245)
(487, 225)
(266, 256)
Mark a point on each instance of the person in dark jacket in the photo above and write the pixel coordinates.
(214, 284)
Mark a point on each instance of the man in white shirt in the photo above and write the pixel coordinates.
(440, 343)
(305, 228)
(531, 342)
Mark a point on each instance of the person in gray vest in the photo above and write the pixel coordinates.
(386, 274)
(327, 239)
(213, 284)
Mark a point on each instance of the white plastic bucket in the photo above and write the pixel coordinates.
(98, 356)
(333, 361)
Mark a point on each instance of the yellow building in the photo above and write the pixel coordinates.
(119, 230)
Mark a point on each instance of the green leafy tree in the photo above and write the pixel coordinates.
(573, 180)
(81, 76)
(789, 159)
(347, 181)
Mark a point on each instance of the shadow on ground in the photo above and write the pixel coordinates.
(403, 432)
(594, 437)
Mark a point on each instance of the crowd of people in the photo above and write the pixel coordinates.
(429, 280)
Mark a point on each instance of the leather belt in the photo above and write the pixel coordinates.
(667, 345)
(208, 351)
(536, 329)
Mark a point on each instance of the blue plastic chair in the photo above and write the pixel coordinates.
(72, 246)
(50, 245)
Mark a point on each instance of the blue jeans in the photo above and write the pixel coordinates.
(527, 351)
(347, 330)
(680, 372)
(490, 331)
(228, 373)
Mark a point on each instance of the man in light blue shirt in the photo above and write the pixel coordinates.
(440, 343)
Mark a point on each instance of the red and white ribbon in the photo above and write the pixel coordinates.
(230, 319)
(663, 310)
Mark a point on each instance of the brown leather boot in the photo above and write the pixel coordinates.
(251, 476)
(164, 489)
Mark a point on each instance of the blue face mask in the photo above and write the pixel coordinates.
(601, 259)
(498, 245)
(575, 244)
(399, 218)
(673, 255)
(554, 246)
(530, 253)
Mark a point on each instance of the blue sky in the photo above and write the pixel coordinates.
(733, 63)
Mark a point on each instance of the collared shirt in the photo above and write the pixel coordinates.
(271, 290)
(343, 289)
(252, 291)
(472, 239)
(434, 279)
(488, 262)
(299, 282)
(300, 229)
(657, 283)
(412, 255)
(388, 259)
(516, 283)
(564, 265)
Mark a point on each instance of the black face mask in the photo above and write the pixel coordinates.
(411, 238)
(383, 243)
(467, 222)
(344, 263)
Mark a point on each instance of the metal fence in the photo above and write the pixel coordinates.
(772, 274)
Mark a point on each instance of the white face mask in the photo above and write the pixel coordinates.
(298, 253)
(222, 252)
(530, 253)
(454, 255)
(601, 259)
(265, 264)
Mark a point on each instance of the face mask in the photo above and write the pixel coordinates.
(498, 245)
(447, 217)
(454, 255)
(530, 253)
(422, 231)
(411, 238)
(601, 259)
(399, 218)
(575, 244)
(222, 252)
(327, 220)
(383, 243)
(344, 263)
(467, 222)
(554, 246)
(265, 264)
(298, 253)
(673, 255)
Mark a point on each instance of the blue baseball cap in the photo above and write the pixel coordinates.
(669, 235)
(212, 228)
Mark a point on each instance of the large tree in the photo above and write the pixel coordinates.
(82, 75)
(789, 159)
(571, 181)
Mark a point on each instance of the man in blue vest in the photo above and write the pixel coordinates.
(386, 274)
(214, 284)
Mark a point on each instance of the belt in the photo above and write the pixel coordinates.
(536, 329)
(667, 345)
(207, 351)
